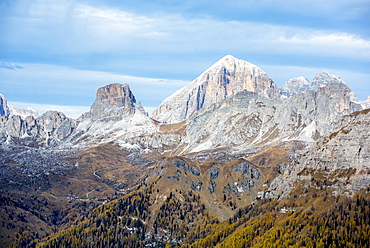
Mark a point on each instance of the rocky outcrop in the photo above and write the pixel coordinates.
(113, 102)
(339, 161)
(225, 78)
(48, 130)
(4, 109)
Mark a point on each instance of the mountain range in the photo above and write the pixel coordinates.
(230, 140)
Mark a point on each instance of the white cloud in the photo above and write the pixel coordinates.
(328, 9)
(67, 29)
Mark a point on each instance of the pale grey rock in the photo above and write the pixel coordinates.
(23, 113)
(366, 104)
(48, 130)
(31, 126)
(301, 84)
(245, 168)
(55, 124)
(247, 119)
(187, 168)
(4, 109)
(14, 126)
(225, 78)
(324, 78)
(295, 85)
(344, 154)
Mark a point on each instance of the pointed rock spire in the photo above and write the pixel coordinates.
(4, 109)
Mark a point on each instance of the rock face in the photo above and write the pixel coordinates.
(249, 120)
(295, 85)
(340, 160)
(48, 130)
(113, 102)
(225, 78)
(301, 84)
(4, 109)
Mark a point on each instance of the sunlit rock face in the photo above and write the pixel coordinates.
(226, 77)
(113, 101)
(342, 156)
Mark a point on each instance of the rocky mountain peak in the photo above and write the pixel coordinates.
(321, 80)
(226, 77)
(113, 101)
(324, 78)
(294, 85)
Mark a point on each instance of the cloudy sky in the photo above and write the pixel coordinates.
(54, 54)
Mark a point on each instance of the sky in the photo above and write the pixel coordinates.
(55, 54)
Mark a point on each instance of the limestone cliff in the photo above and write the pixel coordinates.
(113, 102)
(339, 161)
(225, 78)
(249, 120)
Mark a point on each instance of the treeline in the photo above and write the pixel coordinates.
(129, 222)
(345, 224)
(181, 220)
(28, 218)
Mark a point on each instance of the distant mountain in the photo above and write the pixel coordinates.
(226, 77)
(24, 113)
(324, 78)
(366, 104)
(295, 85)
(301, 84)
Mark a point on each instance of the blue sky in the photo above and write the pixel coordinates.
(56, 53)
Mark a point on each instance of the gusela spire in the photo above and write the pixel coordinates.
(226, 77)
(4, 109)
